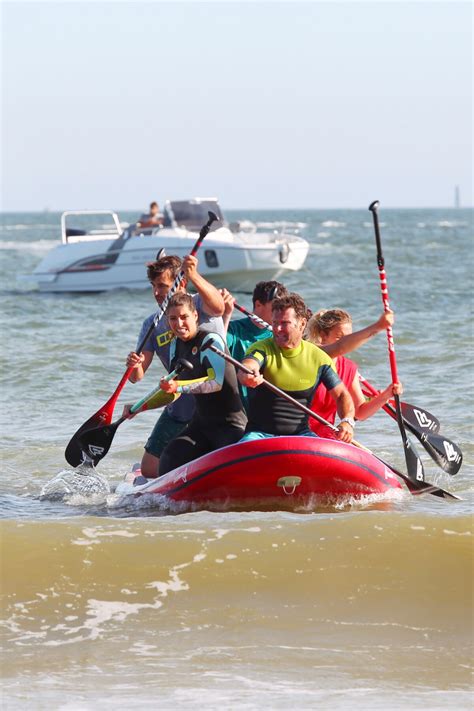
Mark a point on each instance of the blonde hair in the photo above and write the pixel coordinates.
(323, 321)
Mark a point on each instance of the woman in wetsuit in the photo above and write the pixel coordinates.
(219, 418)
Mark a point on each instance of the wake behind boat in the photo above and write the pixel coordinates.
(278, 473)
(235, 255)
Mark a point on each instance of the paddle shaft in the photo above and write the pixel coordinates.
(415, 487)
(272, 294)
(384, 289)
(413, 462)
(181, 365)
(253, 316)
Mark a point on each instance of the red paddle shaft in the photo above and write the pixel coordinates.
(384, 289)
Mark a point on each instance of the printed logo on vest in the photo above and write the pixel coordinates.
(164, 338)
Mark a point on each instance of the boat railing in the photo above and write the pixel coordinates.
(79, 235)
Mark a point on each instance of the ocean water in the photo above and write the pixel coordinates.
(108, 603)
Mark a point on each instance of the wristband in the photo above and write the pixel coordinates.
(350, 421)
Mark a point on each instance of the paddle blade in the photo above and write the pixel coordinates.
(414, 464)
(444, 452)
(73, 453)
(95, 443)
(419, 418)
(421, 487)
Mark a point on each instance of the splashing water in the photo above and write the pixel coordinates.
(84, 481)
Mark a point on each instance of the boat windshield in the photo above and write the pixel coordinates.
(191, 214)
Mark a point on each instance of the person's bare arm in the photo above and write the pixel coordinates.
(140, 363)
(212, 301)
(345, 409)
(366, 408)
(250, 380)
(346, 344)
(228, 307)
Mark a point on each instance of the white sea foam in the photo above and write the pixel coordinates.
(282, 225)
(452, 223)
(14, 228)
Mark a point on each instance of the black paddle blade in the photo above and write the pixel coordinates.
(73, 453)
(444, 452)
(414, 464)
(423, 487)
(94, 444)
(419, 418)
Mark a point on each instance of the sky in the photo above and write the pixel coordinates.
(262, 104)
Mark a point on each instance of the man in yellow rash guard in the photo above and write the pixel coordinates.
(295, 366)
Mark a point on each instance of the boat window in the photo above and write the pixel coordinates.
(211, 258)
(193, 215)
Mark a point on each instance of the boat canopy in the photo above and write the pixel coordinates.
(191, 214)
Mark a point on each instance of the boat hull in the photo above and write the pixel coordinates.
(225, 260)
(281, 472)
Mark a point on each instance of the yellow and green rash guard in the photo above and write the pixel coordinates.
(297, 371)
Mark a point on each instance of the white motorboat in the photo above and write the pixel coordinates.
(235, 255)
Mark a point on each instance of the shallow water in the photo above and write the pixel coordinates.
(363, 605)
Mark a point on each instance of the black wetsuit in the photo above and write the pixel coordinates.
(219, 418)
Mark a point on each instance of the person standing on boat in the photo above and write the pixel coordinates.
(295, 366)
(219, 418)
(209, 306)
(242, 332)
(154, 218)
(327, 327)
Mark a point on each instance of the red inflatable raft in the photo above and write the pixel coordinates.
(279, 472)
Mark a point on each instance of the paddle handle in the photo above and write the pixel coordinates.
(373, 207)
